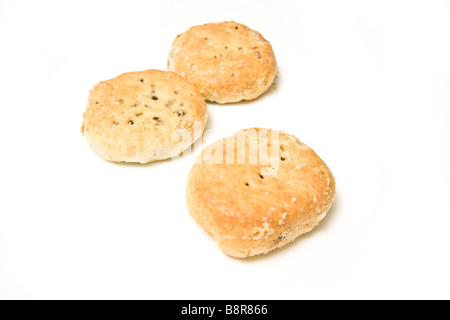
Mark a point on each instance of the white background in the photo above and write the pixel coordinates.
(366, 84)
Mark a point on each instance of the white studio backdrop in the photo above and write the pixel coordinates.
(366, 84)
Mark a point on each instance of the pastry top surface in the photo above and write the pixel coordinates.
(227, 61)
(138, 114)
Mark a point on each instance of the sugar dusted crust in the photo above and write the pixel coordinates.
(227, 61)
(253, 207)
(143, 116)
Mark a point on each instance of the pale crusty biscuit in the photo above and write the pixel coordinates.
(143, 116)
(256, 204)
(227, 61)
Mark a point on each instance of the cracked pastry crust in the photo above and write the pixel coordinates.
(258, 190)
(143, 116)
(227, 61)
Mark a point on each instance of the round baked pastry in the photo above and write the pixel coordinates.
(258, 190)
(143, 116)
(227, 61)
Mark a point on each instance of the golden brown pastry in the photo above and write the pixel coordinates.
(227, 61)
(143, 116)
(258, 190)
